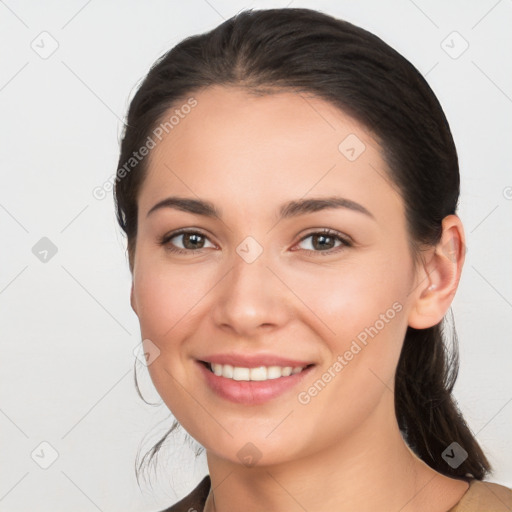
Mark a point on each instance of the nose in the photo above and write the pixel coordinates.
(251, 298)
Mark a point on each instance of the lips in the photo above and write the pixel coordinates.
(252, 392)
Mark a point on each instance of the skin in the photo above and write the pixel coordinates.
(248, 155)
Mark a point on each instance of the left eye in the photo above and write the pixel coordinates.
(190, 239)
(325, 240)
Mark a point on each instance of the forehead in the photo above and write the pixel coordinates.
(234, 147)
(227, 117)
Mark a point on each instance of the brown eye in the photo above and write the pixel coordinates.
(325, 241)
(192, 241)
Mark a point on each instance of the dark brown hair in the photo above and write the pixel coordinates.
(307, 51)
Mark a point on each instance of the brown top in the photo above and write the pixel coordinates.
(480, 497)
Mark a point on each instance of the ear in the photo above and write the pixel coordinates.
(132, 300)
(439, 277)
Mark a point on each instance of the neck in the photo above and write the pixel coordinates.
(372, 470)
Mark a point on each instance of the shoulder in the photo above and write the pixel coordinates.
(481, 496)
(194, 501)
(485, 496)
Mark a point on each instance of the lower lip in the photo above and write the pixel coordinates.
(251, 392)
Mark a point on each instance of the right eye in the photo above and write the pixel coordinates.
(192, 241)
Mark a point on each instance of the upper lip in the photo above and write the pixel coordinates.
(254, 360)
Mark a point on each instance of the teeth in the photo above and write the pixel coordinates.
(259, 373)
(241, 373)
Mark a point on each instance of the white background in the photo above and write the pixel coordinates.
(67, 329)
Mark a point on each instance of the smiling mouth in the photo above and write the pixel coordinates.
(259, 373)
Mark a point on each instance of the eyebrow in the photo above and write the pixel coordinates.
(286, 211)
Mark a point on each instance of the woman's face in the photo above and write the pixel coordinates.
(261, 285)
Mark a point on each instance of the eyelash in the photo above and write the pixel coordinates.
(346, 241)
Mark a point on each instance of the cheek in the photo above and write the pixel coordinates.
(167, 301)
(345, 302)
(360, 314)
(167, 306)
(368, 322)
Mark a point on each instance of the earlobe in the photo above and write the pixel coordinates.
(439, 277)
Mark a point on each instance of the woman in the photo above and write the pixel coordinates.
(288, 185)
